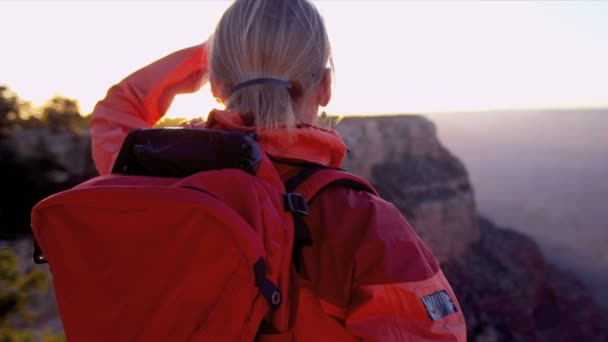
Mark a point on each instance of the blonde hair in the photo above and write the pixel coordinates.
(280, 39)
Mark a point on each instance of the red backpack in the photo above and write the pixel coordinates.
(190, 238)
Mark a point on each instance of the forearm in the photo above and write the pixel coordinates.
(141, 99)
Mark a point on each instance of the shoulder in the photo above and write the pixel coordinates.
(373, 233)
(359, 212)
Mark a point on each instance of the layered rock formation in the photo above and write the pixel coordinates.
(69, 154)
(509, 292)
(35, 164)
(403, 158)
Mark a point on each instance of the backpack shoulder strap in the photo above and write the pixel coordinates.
(308, 184)
(312, 180)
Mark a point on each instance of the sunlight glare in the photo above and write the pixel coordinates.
(195, 105)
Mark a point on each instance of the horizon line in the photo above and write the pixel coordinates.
(481, 110)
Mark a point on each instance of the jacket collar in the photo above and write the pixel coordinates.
(307, 143)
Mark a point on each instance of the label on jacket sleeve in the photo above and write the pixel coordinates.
(438, 305)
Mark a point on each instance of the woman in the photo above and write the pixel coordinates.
(269, 63)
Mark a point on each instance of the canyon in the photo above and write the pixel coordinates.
(509, 284)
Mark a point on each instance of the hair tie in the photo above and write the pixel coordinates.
(274, 81)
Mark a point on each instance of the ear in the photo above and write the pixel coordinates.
(324, 94)
(216, 90)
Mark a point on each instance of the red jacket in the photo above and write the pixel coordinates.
(367, 274)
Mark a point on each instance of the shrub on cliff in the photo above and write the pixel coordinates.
(17, 291)
(59, 113)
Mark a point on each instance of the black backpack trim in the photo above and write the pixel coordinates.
(181, 152)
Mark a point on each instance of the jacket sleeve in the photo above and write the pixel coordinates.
(399, 292)
(141, 99)
(374, 275)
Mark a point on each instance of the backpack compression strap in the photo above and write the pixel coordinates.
(303, 188)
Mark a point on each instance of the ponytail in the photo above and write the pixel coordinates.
(270, 105)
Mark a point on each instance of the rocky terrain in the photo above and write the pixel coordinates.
(508, 291)
(403, 159)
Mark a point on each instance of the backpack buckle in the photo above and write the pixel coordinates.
(269, 290)
(39, 258)
(296, 203)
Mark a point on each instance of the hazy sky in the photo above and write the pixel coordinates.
(390, 56)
